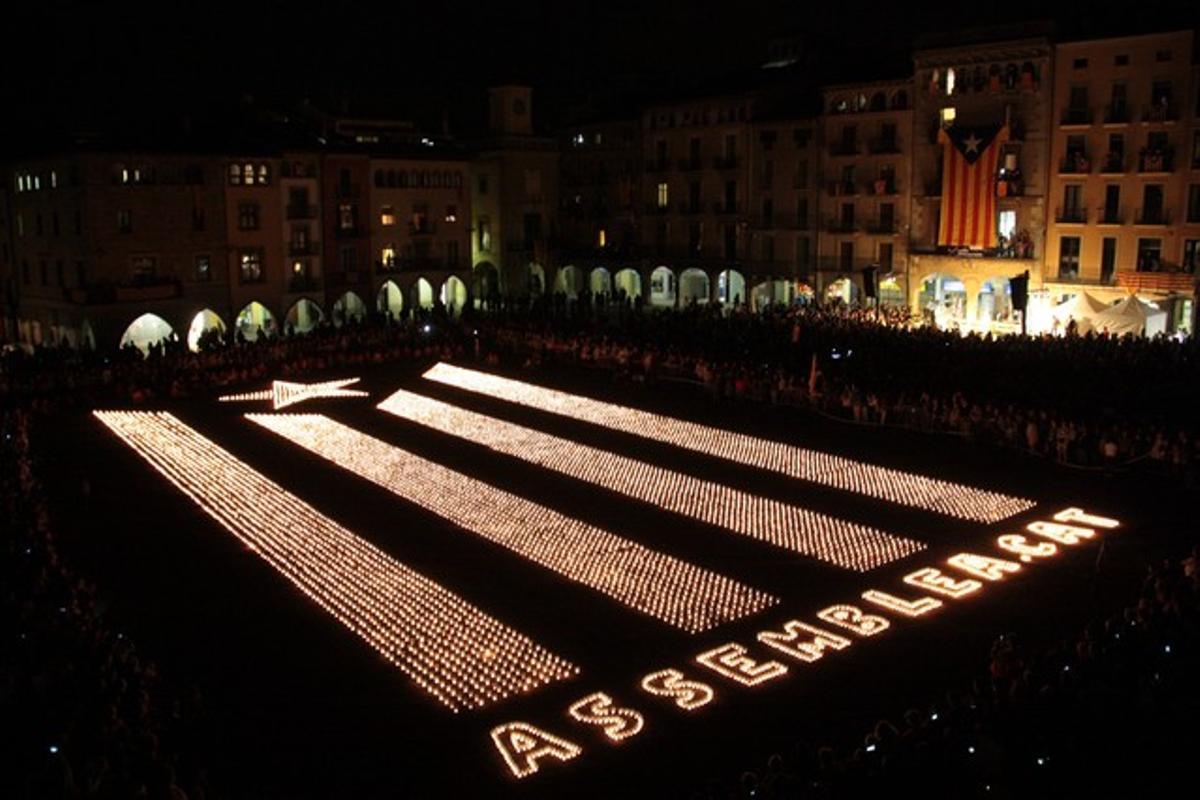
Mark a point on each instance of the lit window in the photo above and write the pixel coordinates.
(950, 81)
(248, 174)
(388, 256)
(577, 140)
(387, 216)
(602, 238)
(1008, 224)
(53, 179)
(663, 196)
(264, 175)
(251, 266)
(451, 213)
(297, 267)
(235, 174)
(203, 268)
(948, 115)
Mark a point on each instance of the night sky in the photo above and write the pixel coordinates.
(71, 67)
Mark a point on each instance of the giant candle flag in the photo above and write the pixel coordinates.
(970, 157)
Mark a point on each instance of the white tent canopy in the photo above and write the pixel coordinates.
(1082, 307)
(1131, 315)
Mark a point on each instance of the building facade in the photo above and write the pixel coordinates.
(1124, 172)
(866, 176)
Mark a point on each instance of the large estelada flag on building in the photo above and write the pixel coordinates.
(970, 157)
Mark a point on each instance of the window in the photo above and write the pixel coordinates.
(1152, 204)
(143, 267)
(204, 268)
(419, 222)
(235, 175)
(387, 256)
(886, 255)
(251, 266)
(451, 214)
(1112, 204)
(348, 259)
(485, 234)
(730, 147)
(948, 115)
(801, 137)
(264, 175)
(1191, 255)
(248, 216)
(483, 184)
(1072, 202)
(346, 216)
(950, 81)
(660, 153)
(768, 247)
(1068, 257)
(125, 221)
(1162, 56)
(1196, 150)
(695, 237)
(602, 238)
(1080, 63)
(730, 238)
(802, 212)
(387, 216)
(1108, 259)
(1193, 203)
(452, 253)
(663, 196)
(803, 248)
(1149, 255)
(1121, 60)
(198, 220)
(533, 183)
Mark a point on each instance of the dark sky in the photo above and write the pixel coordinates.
(74, 65)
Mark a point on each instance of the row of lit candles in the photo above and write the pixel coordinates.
(454, 651)
(682, 594)
(286, 393)
(891, 485)
(841, 542)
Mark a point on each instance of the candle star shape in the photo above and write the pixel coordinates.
(286, 393)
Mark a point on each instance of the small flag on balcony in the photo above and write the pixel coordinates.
(970, 157)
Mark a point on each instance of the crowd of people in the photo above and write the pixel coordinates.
(1108, 712)
(86, 715)
(1091, 401)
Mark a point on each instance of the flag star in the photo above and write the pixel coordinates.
(286, 393)
(972, 143)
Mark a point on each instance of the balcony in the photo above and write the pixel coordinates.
(1116, 114)
(691, 208)
(883, 146)
(726, 208)
(1076, 117)
(410, 263)
(301, 212)
(1155, 161)
(842, 188)
(303, 248)
(1140, 281)
(348, 232)
(840, 265)
(656, 166)
(298, 284)
(426, 228)
(883, 227)
(1152, 216)
(1075, 164)
(843, 148)
(1070, 216)
(1113, 164)
(882, 187)
(725, 162)
(1106, 215)
(1161, 112)
(840, 225)
(689, 164)
(348, 191)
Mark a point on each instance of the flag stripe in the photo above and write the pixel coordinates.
(889, 485)
(451, 649)
(669, 589)
(835, 541)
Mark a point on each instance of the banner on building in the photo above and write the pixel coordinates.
(970, 158)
